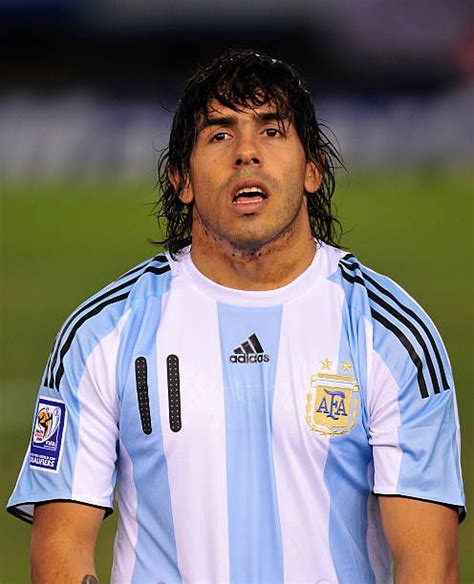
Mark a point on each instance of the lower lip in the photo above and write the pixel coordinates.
(248, 207)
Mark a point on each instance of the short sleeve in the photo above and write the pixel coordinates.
(413, 419)
(72, 451)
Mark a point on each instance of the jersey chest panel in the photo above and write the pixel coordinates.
(290, 368)
(248, 459)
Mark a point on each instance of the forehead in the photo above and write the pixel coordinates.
(216, 107)
(215, 110)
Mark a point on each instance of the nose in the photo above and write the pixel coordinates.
(246, 153)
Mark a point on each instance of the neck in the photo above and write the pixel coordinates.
(266, 267)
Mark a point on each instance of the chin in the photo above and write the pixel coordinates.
(247, 247)
(251, 245)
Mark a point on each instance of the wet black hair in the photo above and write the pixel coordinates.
(238, 79)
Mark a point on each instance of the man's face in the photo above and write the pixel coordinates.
(248, 177)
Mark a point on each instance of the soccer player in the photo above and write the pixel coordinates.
(266, 408)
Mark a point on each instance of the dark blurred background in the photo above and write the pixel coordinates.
(85, 86)
(87, 92)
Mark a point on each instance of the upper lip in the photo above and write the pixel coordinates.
(248, 183)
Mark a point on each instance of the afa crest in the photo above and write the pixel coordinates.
(332, 404)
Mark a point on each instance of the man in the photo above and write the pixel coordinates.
(267, 408)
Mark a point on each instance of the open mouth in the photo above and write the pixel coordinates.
(249, 195)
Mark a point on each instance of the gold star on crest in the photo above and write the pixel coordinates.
(326, 364)
(346, 366)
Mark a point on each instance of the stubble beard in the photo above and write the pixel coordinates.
(251, 246)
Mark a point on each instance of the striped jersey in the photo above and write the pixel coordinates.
(246, 435)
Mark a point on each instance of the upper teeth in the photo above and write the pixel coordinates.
(250, 190)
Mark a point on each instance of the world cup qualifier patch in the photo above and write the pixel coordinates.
(46, 441)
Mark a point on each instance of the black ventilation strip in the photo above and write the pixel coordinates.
(174, 397)
(142, 394)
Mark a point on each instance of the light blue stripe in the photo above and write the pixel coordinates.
(156, 556)
(423, 344)
(407, 323)
(125, 286)
(427, 435)
(397, 357)
(347, 470)
(36, 485)
(430, 466)
(255, 544)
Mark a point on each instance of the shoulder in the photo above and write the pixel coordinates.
(376, 294)
(380, 290)
(103, 314)
(402, 331)
(150, 278)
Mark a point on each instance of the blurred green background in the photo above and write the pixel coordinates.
(86, 99)
(62, 241)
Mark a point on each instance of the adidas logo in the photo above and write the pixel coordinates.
(250, 351)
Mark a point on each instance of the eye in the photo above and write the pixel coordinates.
(220, 137)
(273, 132)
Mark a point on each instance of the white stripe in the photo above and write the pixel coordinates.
(196, 455)
(127, 531)
(310, 333)
(98, 423)
(384, 414)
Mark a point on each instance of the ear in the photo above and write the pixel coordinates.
(312, 178)
(186, 196)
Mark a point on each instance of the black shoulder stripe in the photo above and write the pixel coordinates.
(352, 279)
(49, 375)
(409, 325)
(67, 345)
(130, 272)
(349, 256)
(161, 258)
(75, 314)
(398, 333)
(409, 347)
(420, 321)
(416, 333)
(157, 271)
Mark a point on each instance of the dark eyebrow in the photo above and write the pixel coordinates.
(230, 121)
(272, 117)
(208, 122)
